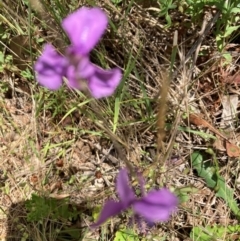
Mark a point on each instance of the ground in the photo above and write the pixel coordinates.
(174, 118)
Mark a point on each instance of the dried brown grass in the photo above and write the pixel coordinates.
(33, 145)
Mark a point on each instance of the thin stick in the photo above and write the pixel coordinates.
(206, 26)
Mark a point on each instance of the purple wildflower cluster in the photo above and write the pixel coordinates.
(155, 206)
(84, 28)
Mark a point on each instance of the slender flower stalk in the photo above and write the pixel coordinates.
(84, 28)
(154, 206)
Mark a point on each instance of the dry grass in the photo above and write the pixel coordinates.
(53, 144)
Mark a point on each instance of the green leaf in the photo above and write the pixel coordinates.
(96, 211)
(183, 193)
(209, 233)
(1, 57)
(230, 30)
(116, 1)
(204, 135)
(209, 173)
(39, 208)
(228, 58)
(220, 42)
(235, 10)
(126, 235)
(168, 19)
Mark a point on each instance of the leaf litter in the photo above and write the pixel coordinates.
(24, 135)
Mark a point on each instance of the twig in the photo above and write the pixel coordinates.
(206, 26)
(113, 159)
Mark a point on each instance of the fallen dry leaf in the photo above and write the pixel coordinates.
(232, 150)
(198, 121)
(229, 110)
(59, 196)
(59, 163)
(34, 179)
(55, 186)
(219, 144)
(234, 79)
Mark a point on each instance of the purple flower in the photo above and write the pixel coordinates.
(84, 28)
(155, 206)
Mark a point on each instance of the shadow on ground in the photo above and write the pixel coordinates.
(44, 219)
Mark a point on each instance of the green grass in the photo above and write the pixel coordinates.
(41, 129)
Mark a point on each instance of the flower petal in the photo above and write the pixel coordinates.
(85, 68)
(125, 192)
(111, 208)
(49, 68)
(84, 28)
(104, 82)
(73, 81)
(76, 75)
(156, 205)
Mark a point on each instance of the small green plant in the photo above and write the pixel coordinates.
(4, 87)
(215, 232)
(165, 6)
(52, 219)
(40, 208)
(5, 62)
(227, 23)
(27, 74)
(116, 1)
(210, 173)
(126, 234)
